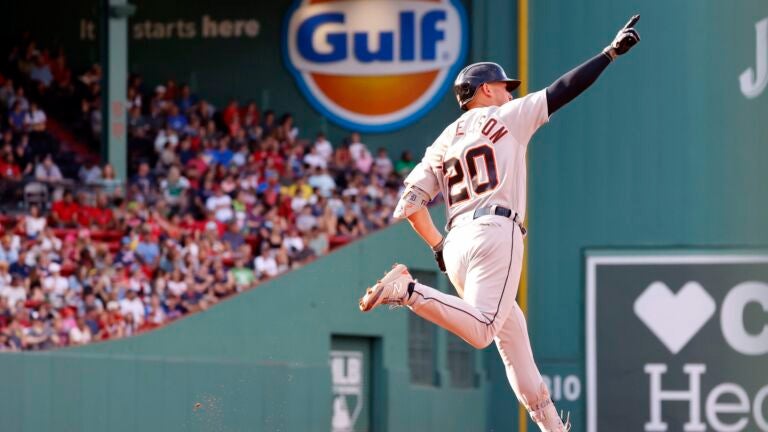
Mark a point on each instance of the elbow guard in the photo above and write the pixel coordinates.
(413, 200)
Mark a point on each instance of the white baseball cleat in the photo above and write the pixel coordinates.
(392, 289)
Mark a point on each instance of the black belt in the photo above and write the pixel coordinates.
(497, 210)
(493, 210)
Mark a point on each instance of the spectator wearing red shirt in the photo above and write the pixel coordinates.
(98, 215)
(9, 169)
(65, 212)
(230, 112)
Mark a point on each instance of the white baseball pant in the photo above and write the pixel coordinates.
(483, 259)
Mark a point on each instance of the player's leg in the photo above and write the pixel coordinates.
(484, 261)
(515, 349)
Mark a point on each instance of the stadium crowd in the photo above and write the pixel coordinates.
(217, 201)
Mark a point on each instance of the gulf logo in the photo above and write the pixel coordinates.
(374, 65)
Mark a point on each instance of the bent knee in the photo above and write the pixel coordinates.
(481, 341)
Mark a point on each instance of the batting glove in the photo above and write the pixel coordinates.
(625, 39)
(438, 251)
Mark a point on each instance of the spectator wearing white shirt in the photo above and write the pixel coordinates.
(265, 264)
(34, 224)
(382, 165)
(166, 136)
(323, 147)
(132, 305)
(293, 242)
(55, 285)
(81, 333)
(322, 181)
(361, 156)
(221, 205)
(14, 292)
(35, 118)
(314, 160)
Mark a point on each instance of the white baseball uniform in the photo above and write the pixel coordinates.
(477, 162)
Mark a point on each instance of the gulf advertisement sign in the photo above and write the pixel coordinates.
(375, 65)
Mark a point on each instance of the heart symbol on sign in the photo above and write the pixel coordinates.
(674, 318)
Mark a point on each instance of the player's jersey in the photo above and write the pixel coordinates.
(479, 160)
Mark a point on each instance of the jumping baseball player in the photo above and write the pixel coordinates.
(478, 163)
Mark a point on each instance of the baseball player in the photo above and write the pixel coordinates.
(478, 163)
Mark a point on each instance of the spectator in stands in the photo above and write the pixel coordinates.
(48, 171)
(342, 158)
(110, 185)
(40, 336)
(176, 119)
(144, 180)
(16, 117)
(62, 75)
(89, 172)
(41, 72)
(92, 75)
(286, 130)
(20, 98)
(138, 125)
(56, 286)
(10, 246)
(313, 159)
(133, 306)
(265, 264)
(268, 124)
(165, 137)
(242, 276)
(35, 119)
(148, 249)
(220, 205)
(81, 333)
(406, 164)
(33, 223)
(23, 156)
(65, 211)
(6, 93)
(174, 186)
(323, 147)
(350, 225)
(9, 170)
(382, 164)
(13, 292)
(186, 99)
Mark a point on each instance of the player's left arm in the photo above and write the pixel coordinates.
(421, 186)
(573, 83)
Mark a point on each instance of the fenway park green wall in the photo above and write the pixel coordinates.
(257, 362)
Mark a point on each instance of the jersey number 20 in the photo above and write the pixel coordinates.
(454, 170)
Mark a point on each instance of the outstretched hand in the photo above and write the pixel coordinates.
(625, 39)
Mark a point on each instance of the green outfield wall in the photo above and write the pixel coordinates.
(257, 362)
(665, 155)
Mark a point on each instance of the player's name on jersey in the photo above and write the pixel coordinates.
(491, 128)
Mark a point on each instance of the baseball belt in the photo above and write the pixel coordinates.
(495, 210)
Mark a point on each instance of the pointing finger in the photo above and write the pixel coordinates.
(632, 21)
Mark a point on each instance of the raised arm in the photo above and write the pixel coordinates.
(573, 83)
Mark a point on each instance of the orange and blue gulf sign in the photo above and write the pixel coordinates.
(375, 65)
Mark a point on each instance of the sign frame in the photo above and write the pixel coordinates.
(595, 257)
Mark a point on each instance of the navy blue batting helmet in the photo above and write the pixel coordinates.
(474, 75)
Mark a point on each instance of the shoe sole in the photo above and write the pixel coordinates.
(373, 293)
